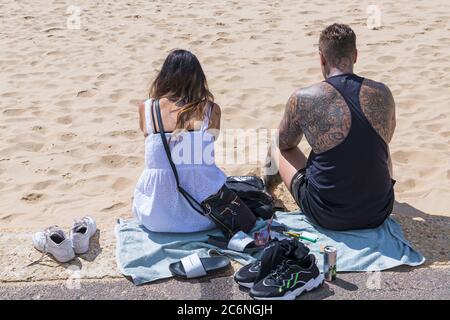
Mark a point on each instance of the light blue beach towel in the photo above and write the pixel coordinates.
(145, 256)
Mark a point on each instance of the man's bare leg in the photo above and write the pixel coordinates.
(288, 163)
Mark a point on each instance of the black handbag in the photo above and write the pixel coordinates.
(251, 190)
(225, 208)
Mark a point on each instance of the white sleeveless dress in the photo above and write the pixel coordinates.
(157, 204)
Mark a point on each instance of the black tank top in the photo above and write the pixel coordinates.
(349, 186)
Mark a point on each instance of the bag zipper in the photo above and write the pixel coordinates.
(221, 223)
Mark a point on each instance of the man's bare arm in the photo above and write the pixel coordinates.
(290, 132)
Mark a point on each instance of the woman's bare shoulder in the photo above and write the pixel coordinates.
(216, 110)
(141, 106)
(215, 116)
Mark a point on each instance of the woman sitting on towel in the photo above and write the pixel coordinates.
(191, 121)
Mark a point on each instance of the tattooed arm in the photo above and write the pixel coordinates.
(378, 105)
(290, 132)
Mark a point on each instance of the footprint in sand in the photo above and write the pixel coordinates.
(423, 50)
(9, 95)
(255, 37)
(81, 78)
(13, 112)
(64, 103)
(20, 76)
(51, 86)
(223, 34)
(129, 134)
(52, 29)
(308, 12)
(87, 167)
(56, 53)
(64, 120)
(86, 93)
(126, 115)
(43, 184)
(282, 78)
(196, 43)
(434, 127)
(438, 146)
(234, 78)
(38, 129)
(134, 102)
(117, 95)
(423, 157)
(98, 120)
(67, 176)
(122, 183)
(208, 36)
(32, 197)
(406, 185)
(395, 41)
(68, 136)
(219, 42)
(104, 110)
(105, 76)
(386, 59)
(10, 217)
(30, 146)
(115, 206)
(113, 161)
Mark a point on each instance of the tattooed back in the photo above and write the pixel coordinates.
(322, 114)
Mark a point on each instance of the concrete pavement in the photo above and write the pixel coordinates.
(403, 283)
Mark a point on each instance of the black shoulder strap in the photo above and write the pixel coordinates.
(190, 199)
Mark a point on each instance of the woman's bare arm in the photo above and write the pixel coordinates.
(141, 110)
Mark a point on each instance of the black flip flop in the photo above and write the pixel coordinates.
(193, 266)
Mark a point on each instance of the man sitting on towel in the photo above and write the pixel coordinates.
(348, 121)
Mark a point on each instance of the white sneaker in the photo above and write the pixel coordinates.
(53, 240)
(82, 230)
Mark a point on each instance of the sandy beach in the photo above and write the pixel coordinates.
(70, 143)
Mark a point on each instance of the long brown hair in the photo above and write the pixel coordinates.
(182, 80)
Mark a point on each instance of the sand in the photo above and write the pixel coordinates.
(70, 144)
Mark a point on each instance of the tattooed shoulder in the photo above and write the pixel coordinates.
(324, 116)
(378, 106)
(290, 132)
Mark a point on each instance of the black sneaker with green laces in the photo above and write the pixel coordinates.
(289, 280)
(274, 253)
